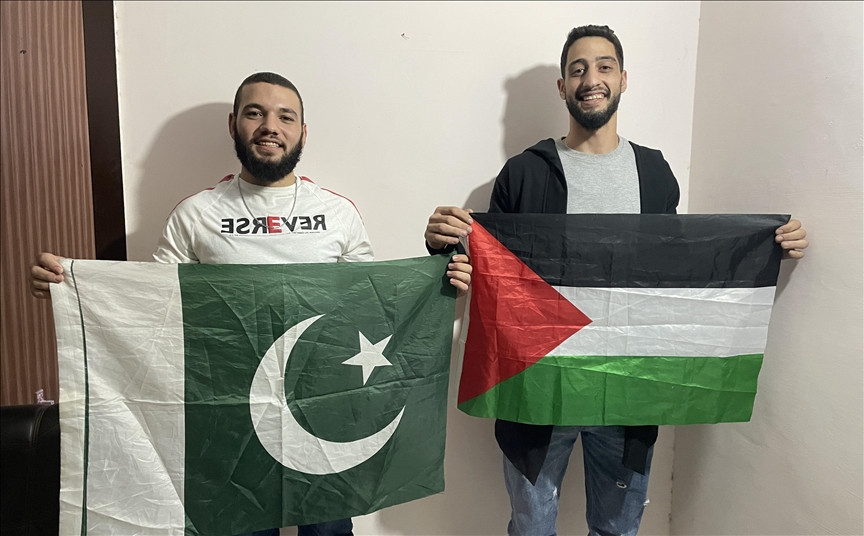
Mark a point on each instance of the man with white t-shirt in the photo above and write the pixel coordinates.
(263, 215)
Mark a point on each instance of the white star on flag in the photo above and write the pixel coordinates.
(370, 356)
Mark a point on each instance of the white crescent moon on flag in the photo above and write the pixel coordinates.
(280, 433)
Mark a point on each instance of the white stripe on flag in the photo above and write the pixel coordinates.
(691, 322)
(143, 456)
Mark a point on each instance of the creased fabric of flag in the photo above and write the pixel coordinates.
(219, 399)
(617, 319)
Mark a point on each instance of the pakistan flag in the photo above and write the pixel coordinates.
(219, 399)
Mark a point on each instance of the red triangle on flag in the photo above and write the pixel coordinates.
(516, 317)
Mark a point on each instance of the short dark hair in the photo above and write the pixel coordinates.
(592, 30)
(269, 78)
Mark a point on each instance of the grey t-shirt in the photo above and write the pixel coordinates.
(601, 183)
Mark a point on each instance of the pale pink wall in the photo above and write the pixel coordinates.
(778, 128)
(409, 105)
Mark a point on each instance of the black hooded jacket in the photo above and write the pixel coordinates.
(533, 182)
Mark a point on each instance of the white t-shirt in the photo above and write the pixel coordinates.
(236, 222)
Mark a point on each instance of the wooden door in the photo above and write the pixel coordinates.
(47, 196)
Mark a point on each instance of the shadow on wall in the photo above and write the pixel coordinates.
(191, 152)
(533, 111)
(475, 501)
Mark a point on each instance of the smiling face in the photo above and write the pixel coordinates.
(593, 82)
(268, 133)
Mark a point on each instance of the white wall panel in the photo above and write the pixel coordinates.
(409, 105)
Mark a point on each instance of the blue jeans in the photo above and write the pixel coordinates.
(340, 527)
(615, 495)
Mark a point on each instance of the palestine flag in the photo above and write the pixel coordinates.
(219, 399)
(618, 319)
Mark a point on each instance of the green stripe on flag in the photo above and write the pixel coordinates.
(236, 320)
(624, 390)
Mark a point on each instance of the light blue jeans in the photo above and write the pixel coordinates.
(340, 527)
(615, 495)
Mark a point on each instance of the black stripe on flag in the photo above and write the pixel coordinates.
(643, 250)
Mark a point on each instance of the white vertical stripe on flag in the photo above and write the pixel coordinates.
(685, 322)
(135, 372)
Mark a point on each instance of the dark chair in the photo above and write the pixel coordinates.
(29, 470)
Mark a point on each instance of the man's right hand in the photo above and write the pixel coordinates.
(446, 226)
(47, 270)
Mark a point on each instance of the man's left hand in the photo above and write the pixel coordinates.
(459, 272)
(791, 238)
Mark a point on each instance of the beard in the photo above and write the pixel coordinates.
(593, 120)
(264, 170)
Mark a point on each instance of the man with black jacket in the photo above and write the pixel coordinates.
(591, 170)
